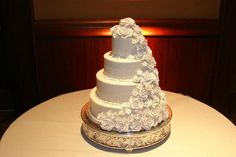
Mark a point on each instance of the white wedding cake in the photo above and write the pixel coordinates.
(128, 97)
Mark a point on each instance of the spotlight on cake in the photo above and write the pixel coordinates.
(127, 108)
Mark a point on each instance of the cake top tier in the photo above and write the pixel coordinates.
(126, 28)
(128, 40)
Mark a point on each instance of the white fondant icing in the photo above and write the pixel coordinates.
(113, 90)
(122, 47)
(92, 117)
(120, 68)
(98, 105)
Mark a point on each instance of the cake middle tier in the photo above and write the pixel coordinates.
(113, 90)
(120, 68)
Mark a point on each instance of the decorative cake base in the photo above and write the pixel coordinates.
(127, 141)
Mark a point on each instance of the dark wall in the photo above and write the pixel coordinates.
(18, 78)
(154, 9)
(225, 83)
(5, 95)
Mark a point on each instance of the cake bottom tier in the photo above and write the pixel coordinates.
(98, 105)
(121, 118)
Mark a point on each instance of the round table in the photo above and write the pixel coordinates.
(53, 129)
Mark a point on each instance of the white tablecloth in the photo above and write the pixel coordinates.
(53, 129)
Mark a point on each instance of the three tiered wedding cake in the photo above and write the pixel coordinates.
(128, 97)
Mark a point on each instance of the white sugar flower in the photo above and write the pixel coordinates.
(150, 76)
(145, 64)
(101, 115)
(148, 50)
(135, 126)
(139, 72)
(135, 37)
(139, 86)
(110, 114)
(156, 101)
(162, 106)
(124, 32)
(164, 101)
(121, 113)
(147, 123)
(113, 31)
(138, 115)
(156, 92)
(135, 92)
(144, 44)
(151, 61)
(127, 22)
(156, 73)
(165, 115)
(130, 118)
(107, 124)
(158, 120)
(148, 87)
(135, 40)
(128, 110)
(146, 112)
(137, 29)
(144, 94)
(121, 124)
(142, 41)
(148, 103)
(136, 79)
(135, 103)
(139, 54)
(155, 112)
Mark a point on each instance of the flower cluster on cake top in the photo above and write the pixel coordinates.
(146, 107)
(127, 28)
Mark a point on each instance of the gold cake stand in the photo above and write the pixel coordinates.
(126, 141)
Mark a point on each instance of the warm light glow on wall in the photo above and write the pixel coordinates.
(105, 32)
(147, 31)
(154, 31)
